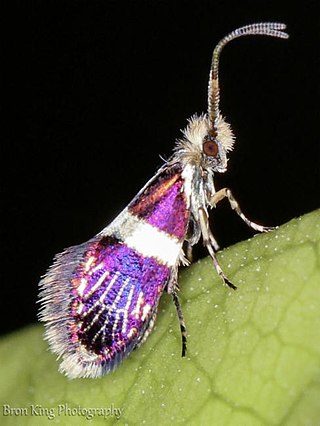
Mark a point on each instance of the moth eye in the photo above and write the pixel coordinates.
(210, 148)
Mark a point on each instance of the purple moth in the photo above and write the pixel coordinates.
(99, 299)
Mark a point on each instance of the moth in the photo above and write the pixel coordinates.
(99, 299)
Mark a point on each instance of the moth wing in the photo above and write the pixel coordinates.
(105, 296)
(99, 299)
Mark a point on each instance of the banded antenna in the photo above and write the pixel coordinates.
(272, 29)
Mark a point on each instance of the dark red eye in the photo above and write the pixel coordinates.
(210, 148)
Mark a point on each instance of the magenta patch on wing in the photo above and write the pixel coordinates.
(163, 204)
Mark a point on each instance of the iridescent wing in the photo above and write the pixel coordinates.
(100, 298)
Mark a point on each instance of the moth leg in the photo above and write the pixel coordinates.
(189, 254)
(226, 193)
(207, 241)
(182, 323)
(173, 288)
(213, 241)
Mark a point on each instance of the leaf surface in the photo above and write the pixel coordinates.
(253, 354)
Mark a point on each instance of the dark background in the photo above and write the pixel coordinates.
(93, 92)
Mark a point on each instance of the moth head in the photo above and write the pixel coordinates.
(208, 138)
(203, 147)
(219, 138)
(216, 144)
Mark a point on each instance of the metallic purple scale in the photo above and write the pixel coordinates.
(121, 295)
(163, 203)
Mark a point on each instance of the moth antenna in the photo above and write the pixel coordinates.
(272, 29)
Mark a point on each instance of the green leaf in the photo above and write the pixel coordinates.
(253, 354)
